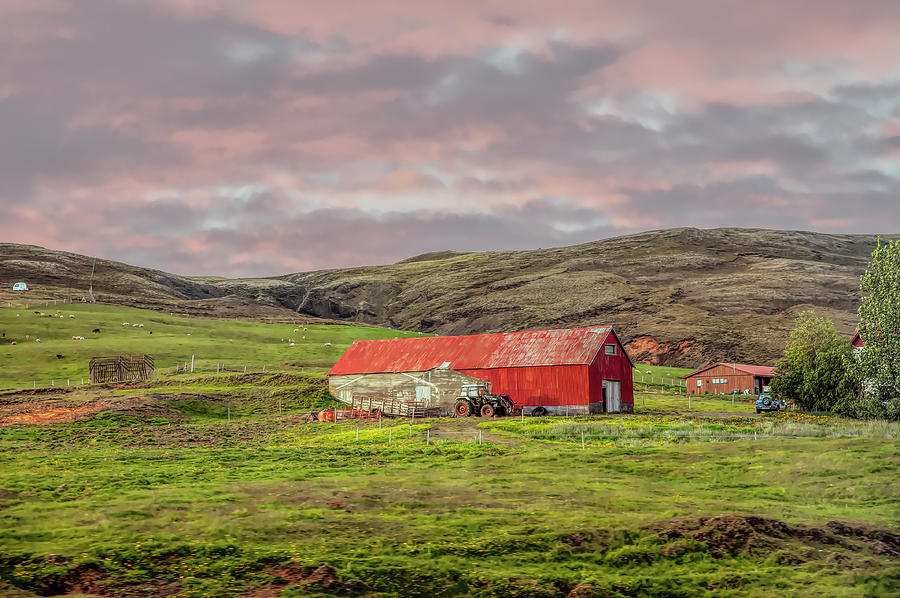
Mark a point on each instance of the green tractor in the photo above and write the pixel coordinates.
(474, 399)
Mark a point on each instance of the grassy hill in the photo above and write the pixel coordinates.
(683, 297)
(174, 339)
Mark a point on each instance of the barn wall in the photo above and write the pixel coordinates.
(553, 387)
(736, 381)
(612, 367)
(442, 386)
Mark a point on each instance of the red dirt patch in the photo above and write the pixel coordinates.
(50, 415)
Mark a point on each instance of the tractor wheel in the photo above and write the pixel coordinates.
(487, 410)
(539, 412)
(500, 411)
(463, 409)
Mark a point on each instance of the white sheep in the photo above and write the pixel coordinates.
(292, 344)
(13, 343)
(71, 315)
(296, 330)
(37, 340)
(125, 324)
(327, 344)
(135, 325)
(140, 325)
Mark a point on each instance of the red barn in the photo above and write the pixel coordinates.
(576, 370)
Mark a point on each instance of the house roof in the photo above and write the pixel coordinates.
(755, 370)
(571, 346)
(857, 340)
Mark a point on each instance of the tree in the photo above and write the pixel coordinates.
(817, 371)
(879, 329)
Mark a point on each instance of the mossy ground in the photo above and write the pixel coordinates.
(192, 504)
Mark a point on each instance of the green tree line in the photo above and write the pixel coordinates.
(821, 371)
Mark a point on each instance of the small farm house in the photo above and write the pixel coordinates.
(728, 378)
(578, 370)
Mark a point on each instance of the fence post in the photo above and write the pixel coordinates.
(428, 436)
(582, 440)
(229, 415)
(192, 364)
(390, 435)
(357, 433)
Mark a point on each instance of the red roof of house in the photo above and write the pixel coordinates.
(755, 370)
(571, 346)
(857, 340)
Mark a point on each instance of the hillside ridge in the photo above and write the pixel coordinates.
(683, 296)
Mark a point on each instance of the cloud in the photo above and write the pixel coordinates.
(235, 138)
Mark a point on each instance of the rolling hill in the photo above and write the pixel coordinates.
(678, 297)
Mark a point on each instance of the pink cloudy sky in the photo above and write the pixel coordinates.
(258, 138)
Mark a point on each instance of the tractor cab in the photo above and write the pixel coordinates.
(473, 391)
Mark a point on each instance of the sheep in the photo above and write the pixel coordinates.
(125, 324)
(296, 330)
(135, 325)
(58, 356)
(95, 330)
(140, 325)
(327, 344)
(71, 315)
(292, 344)
(37, 340)
(13, 343)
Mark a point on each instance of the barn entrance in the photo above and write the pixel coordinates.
(613, 396)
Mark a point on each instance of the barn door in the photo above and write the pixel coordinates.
(613, 396)
(423, 393)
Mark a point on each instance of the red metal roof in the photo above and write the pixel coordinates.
(571, 346)
(755, 370)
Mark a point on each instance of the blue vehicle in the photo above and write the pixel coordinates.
(766, 402)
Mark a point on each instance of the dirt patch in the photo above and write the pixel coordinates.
(466, 430)
(732, 535)
(24, 408)
(83, 579)
(49, 415)
(312, 578)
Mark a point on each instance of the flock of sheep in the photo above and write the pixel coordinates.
(291, 342)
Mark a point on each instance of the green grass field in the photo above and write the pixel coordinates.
(233, 343)
(214, 485)
(194, 505)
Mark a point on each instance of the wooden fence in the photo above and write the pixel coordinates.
(122, 368)
(395, 407)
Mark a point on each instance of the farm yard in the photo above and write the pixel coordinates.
(216, 485)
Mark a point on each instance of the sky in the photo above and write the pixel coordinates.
(259, 138)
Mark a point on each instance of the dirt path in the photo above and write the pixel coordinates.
(465, 429)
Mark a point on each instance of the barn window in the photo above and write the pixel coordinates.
(610, 349)
(724, 380)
